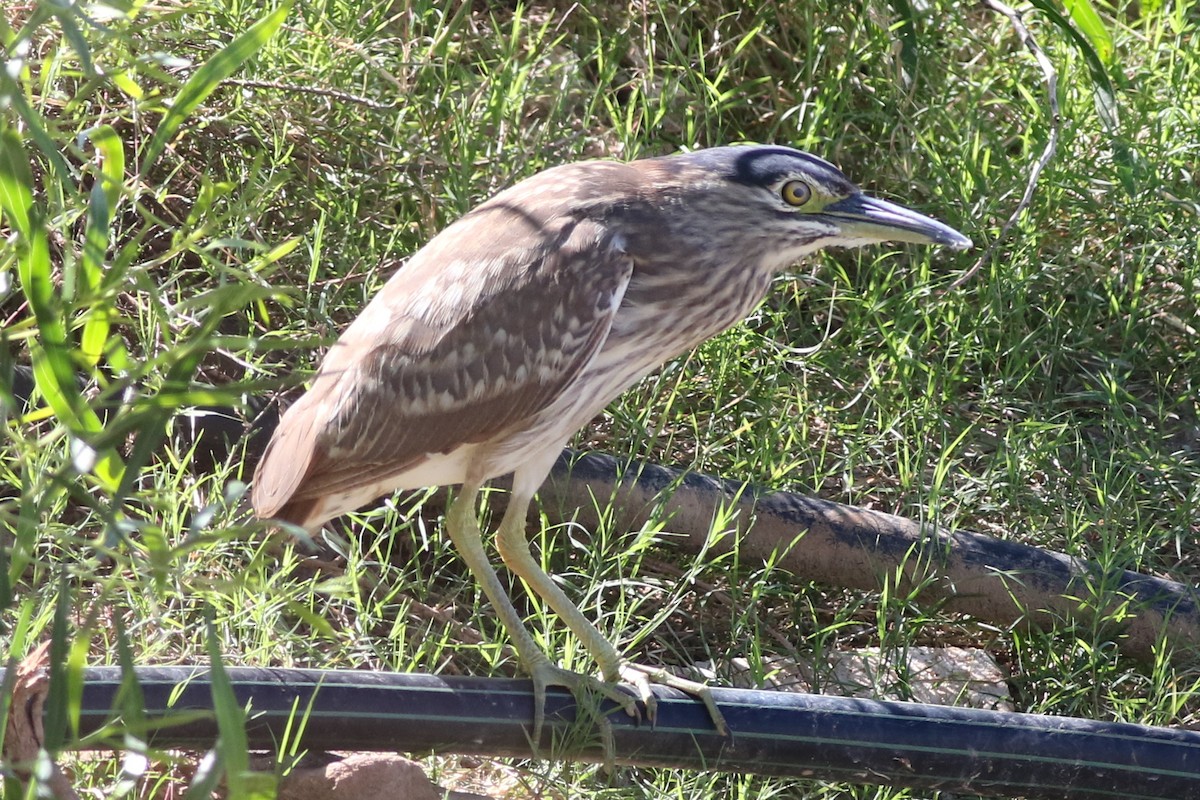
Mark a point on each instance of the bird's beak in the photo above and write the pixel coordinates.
(861, 215)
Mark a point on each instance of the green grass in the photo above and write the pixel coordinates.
(1052, 399)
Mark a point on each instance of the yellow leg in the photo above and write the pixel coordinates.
(462, 526)
(514, 549)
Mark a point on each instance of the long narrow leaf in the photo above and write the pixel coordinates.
(66, 13)
(11, 93)
(6, 593)
(37, 283)
(57, 699)
(53, 366)
(906, 31)
(1083, 13)
(204, 80)
(16, 196)
(106, 195)
(95, 334)
(1103, 90)
(1096, 68)
(233, 748)
(130, 704)
(231, 721)
(12, 645)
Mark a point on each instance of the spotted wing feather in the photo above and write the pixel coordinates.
(481, 330)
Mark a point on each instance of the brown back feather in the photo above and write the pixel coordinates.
(480, 330)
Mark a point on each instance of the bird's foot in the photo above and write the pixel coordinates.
(641, 677)
(546, 674)
(635, 677)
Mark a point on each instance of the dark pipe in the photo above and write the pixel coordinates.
(1003, 582)
(779, 733)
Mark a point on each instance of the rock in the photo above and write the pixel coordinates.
(949, 676)
(361, 776)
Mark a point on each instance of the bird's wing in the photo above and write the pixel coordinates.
(479, 331)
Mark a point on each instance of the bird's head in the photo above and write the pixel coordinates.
(788, 203)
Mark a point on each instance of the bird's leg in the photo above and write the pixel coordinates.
(514, 549)
(513, 545)
(462, 526)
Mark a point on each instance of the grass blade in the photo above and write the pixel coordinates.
(6, 594)
(53, 367)
(16, 196)
(106, 195)
(1103, 90)
(1099, 73)
(1083, 14)
(53, 370)
(232, 748)
(130, 704)
(58, 696)
(906, 31)
(202, 83)
(65, 13)
(12, 95)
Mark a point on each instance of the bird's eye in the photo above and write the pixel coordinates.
(796, 193)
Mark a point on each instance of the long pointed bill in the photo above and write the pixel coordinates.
(869, 217)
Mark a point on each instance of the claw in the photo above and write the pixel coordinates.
(640, 680)
(642, 677)
(546, 674)
(638, 677)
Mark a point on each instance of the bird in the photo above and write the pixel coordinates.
(517, 324)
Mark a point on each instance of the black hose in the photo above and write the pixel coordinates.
(1000, 581)
(830, 738)
(1004, 582)
(810, 736)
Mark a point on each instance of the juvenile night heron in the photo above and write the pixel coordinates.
(518, 323)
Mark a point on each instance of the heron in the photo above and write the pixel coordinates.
(518, 323)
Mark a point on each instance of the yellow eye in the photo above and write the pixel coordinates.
(796, 193)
